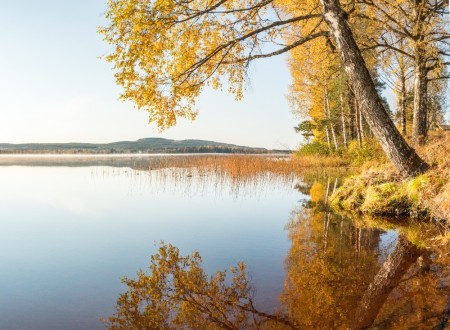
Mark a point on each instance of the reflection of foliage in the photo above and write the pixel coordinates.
(332, 265)
(179, 294)
(317, 192)
(329, 265)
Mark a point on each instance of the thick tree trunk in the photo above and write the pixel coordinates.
(404, 158)
(419, 129)
(387, 278)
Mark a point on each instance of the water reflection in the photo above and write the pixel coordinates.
(84, 227)
(340, 266)
(177, 293)
(329, 265)
(339, 275)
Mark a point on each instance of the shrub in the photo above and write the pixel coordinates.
(368, 151)
(313, 149)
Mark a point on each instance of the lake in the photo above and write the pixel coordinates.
(72, 227)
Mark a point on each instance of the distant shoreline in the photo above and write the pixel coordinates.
(146, 146)
(133, 155)
(134, 160)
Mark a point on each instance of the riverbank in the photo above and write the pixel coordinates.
(379, 190)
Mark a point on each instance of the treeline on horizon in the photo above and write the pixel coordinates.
(204, 149)
(146, 145)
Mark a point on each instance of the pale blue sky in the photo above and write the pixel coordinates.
(56, 89)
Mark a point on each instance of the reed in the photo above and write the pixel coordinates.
(242, 166)
(245, 169)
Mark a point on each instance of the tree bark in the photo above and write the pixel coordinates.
(404, 158)
(361, 124)
(327, 103)
(341, 104)
(403, 103)
(387, 278)
(352, 112)
(419, 129)
(359, 134)
(344, 130)
(325, 116)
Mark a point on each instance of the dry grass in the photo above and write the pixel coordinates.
(245, 166)
(378, 188)
(236, 172)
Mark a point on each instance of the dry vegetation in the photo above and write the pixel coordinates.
(378, 189)
(244, 167)
(237, 173)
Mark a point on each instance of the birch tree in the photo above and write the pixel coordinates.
(421, 26)
(166, 51)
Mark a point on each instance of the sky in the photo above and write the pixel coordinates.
(55, 87)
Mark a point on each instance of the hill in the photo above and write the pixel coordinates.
(147, 145)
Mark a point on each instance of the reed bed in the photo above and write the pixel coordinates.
(238, 173)
(247, 166)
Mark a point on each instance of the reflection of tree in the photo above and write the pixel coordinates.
(388, 277)
(420, 296)
(334, 280)
(329, 265)
(177, 294)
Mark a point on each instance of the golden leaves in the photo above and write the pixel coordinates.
(166, 51)
(177, 293)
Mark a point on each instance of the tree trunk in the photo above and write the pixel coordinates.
(352, 112)
(432, 117)
(357, 124)
(403, 104)
(344, 130)
(361, 124)
(327, 104)
(404, 158)
(325, 116)
(341, 105)
(419, 129)
(387, 278)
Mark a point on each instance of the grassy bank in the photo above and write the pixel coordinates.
(379, 190)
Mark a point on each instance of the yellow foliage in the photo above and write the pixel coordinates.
(165, 51)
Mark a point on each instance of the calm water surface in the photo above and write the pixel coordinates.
(71, 229)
